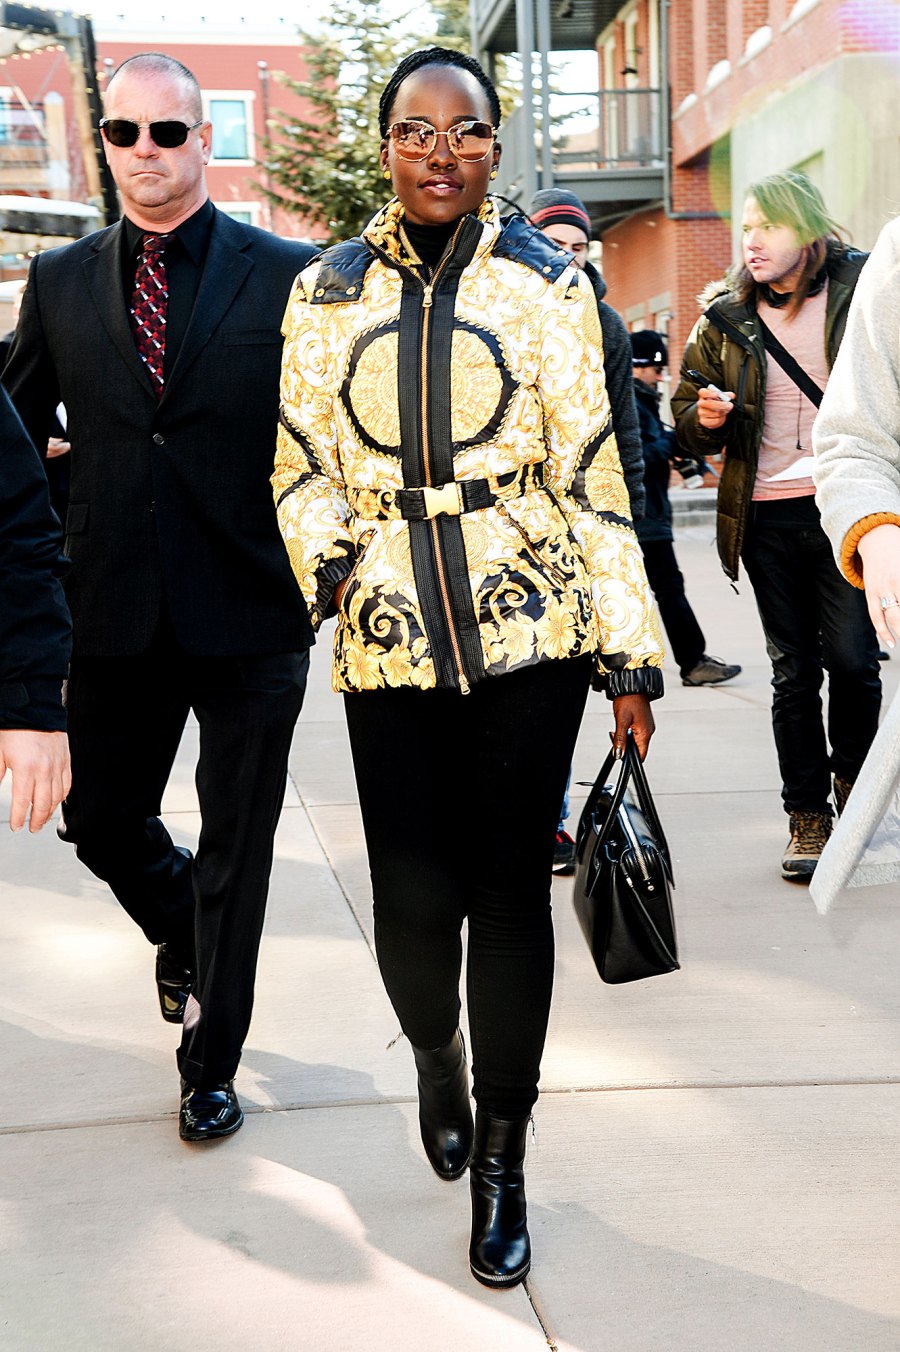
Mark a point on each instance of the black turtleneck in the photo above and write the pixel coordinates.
(429, 241)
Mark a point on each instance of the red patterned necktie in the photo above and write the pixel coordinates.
(149, 303)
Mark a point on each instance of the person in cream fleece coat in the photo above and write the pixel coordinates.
(856, 439)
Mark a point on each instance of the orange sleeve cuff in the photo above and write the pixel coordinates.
(850, 560)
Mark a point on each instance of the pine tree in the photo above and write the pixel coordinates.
(452, 23)
(325, 166)
(453, 30)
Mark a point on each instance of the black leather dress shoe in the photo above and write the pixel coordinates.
(174, 983)
(207, 1114)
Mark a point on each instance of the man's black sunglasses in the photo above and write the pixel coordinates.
(167, 135)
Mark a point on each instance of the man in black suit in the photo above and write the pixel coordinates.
(161, 337)
(35, 632)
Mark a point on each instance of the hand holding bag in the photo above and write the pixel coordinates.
(623, 877)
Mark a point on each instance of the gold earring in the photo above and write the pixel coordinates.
(493, 173)
(386, 173)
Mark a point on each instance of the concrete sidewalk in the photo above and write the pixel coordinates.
(715, 1158)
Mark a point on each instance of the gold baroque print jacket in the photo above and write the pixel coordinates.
(445, 444)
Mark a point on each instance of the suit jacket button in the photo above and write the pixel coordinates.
(159, 439)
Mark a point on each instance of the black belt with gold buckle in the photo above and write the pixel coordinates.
(453, 499)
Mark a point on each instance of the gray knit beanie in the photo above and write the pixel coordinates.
(557, 206)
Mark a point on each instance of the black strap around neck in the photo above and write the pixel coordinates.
(791, 367)
(779, 299)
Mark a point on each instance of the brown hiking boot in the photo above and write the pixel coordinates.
(809, 836)
(842, 789)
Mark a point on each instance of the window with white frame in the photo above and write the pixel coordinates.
(231, 113)
(632, 52)
(248, 213)
(609, 103)
(653, 45)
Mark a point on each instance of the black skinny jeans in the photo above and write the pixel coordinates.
(460, 800)
(814, 622)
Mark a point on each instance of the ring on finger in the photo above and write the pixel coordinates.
(886, 602)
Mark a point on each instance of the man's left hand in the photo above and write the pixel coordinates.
(41, 774)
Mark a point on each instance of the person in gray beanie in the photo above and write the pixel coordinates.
(562, 217)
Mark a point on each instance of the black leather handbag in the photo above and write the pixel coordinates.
(623, 876)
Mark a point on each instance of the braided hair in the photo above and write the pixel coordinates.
(434, 56)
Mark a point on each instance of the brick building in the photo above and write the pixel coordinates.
(693, 100)
(237, 66)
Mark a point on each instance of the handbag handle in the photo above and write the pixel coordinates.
(644, 796)
(597, 789)
(632, 771)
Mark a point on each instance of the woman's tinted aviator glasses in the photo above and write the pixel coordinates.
(469, 141)
(167, 135)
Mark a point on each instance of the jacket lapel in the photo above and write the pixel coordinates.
(225, 271)
(103, 275)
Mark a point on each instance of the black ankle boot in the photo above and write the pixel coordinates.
(445, 1112)
(500, 1251)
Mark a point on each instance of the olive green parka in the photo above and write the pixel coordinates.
(726, 347)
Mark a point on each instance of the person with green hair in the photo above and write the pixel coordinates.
(752, 378)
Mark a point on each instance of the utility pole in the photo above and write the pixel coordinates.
(263, 68)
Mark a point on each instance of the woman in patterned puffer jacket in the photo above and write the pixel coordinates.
(447, 478)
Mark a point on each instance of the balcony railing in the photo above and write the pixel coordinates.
(606, 129)
(23, 143)
(592, 133)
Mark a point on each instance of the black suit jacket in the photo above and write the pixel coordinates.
(35, 632)
(170, 499)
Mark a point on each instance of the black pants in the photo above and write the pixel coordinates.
(814, 622)
(460, 800)
(679, 621)
(126, 716)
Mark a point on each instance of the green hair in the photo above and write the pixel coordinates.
(791, 198)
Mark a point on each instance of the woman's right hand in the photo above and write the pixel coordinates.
(879, 551)
(633, 712)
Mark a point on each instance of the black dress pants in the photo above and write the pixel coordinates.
(814, 622)
(460, 800)
(126, 716)
(679, 621)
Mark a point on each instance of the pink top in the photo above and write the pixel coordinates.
(789, 415)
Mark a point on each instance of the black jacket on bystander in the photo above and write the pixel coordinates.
(35, 629)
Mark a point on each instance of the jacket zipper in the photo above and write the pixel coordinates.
(546, 567)
(427, 300)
